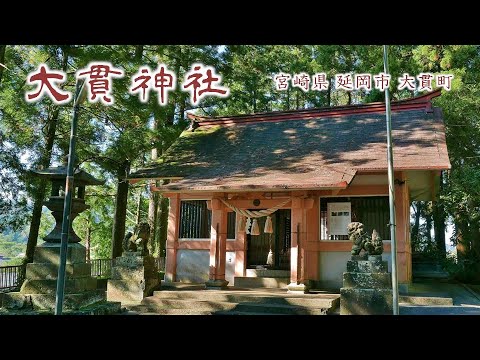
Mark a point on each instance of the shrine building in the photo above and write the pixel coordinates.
(312, 172)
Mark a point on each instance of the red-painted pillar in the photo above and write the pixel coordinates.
(298, 245)
(240, 251)
(218, 246)
(172, 238)
(402, 219)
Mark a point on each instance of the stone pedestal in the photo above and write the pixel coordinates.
(367, 287)
(216, 284)
(39, 289)
(294, 288)
(134, 277)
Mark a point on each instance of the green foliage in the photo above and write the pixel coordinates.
(12, 244)
(465, 271)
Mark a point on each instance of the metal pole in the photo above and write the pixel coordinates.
(67, 205)
(391, 188)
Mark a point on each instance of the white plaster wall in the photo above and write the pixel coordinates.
(332, 265)
(193, 265)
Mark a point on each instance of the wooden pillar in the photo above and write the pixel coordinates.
(240, 250)
(218, 246)
(313, 229)
(402, 217)
(298, 245)
(172, 238)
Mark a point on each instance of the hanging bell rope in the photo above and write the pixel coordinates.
(241, 223)
(256, 213)
(255, 229)
(270, 252)
(252, 228)
(268, 226)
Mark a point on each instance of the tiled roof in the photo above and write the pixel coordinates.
(307, 149)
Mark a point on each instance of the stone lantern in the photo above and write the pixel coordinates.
(57, 175)
(39, 289)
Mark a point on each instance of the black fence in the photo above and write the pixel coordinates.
(161, 263)
(102, 268)
(11, 277)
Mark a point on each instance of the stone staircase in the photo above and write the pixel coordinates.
(236, 302)
(263, 278)
(428, 270)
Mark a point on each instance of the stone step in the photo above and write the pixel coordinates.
(165, 306)
(430, 275)
(356, 301)
(145, 310)
(425, 300)
(152, 303)
(99, 308)
(261, 282)
(367, 280)
(249, 313)
(305, 300)
(362, 266)
(73, 286)
(125, 290)
(279, 309)
(267, 273)
(17, 300)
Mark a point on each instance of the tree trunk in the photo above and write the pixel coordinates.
(439, 222)
(288, 99)
(45, 158)
(138, 52)
(475, 230)
(152, 221)
(428, 228)
(40, 191)
(88, 238)
(2, 60)
(163, 225)
(183, 105)
(120, 217)
(329, 93)
(416, 224)
(439, 227)
(462, 246)
(153, 198)
(139, 207)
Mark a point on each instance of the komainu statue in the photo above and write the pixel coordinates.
(362, 241)
(374, 246)
(138, 240)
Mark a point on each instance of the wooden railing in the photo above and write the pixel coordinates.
(11, 277)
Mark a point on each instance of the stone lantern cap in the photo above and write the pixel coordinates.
(81, 177)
